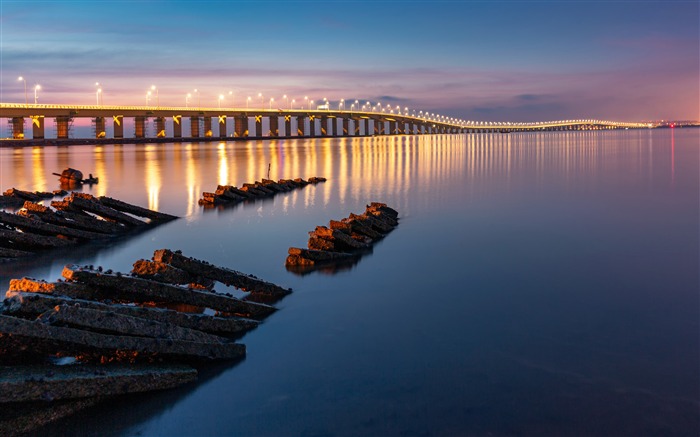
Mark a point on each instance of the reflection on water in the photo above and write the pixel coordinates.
(539, 283)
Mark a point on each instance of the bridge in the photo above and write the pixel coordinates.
(168, 122)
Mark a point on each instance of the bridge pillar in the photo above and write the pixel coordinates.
(324, 132)
(100, 127)
(223, 133)
(258, 126)
(62, 126)
(160, 127)
(400, 128)
(274, 126)
(379, 127)
(140, 126)
(194, 127)
(118, 126)
(288, 125)
(177, 126)
(356, 129)
(207, 127)
(312, 126)
(392, 127)
(300, 125)
(18, 128)
(346, 126)
(38, 126)
(240, 126)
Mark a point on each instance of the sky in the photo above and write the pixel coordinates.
(516, 60)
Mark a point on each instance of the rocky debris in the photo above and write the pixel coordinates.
(77, 218)
(54, 383)
(228, 194)
(163, 272)
(343, 239)
(226, 276)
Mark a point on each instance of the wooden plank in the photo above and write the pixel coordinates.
(25, 241)
(19, 335)
(111, 322)
(53, 383)
(35, 226)
(89, 203)
(67, 219)
(141, 290)
(307, 257)
(136, 210)
(29, 303)
(162, 272)
(226, 276)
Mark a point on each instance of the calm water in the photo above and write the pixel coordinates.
(538, 284)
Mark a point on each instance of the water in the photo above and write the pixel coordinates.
(538, 283)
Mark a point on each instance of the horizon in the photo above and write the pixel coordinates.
(517, 61)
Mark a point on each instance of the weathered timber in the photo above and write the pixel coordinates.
(70, 219)
(275, 186)
(316, 243)
(340, 240)
(18, 335)
(141, 290)
(10, 201)
(135, 210)
(28, 303)
(316, 179)
(163, 272)
(226, 276)
(212, 199)
(68, 289)
(27, 195)
(253, 191)
(365, 229)
(379, 215)
(341, 226)
(53, 383)
(66, 206)
(301, 181)
(110, 322)
(378, 206)
(228, 195)
(13, 253)
(23, 418)
(305, 257)
(26, 241)
(90, 203)
(236, 191)
(36, 226)
(372, 223)
(259, 187)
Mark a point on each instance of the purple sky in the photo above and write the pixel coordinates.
(476, 60)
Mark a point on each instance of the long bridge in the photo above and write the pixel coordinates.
(324, 121)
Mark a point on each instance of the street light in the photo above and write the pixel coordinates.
(342, 101)
(230, 93)
(199, 98)
(306, 98)
(286, 100)
(262, 105)
(36, 97)
(153, 87)
(187, 100)
(272, 99)
(148, 98)
(97, 95)
(246, 102)
(26, 101)
(221, 97)
(291, 106)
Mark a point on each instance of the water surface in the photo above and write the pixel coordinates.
(538, 283)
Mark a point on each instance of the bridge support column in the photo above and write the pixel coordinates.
(18, 128)
(62, 126)
(223, 133)
(140, 126)
(300, 125)
(400, 128)
(240, 126)
(258, 126)
(379, 127)
(324, 132)
(392, 127)
(177, 126)
(207, 127)
(356, 128)
(160, 127)
(312, 126)
(194, 127)
(288, 125)
(100, 127)
(274, 126)
(38, 127)
(366, 126)
(346, 127)
(118, 126)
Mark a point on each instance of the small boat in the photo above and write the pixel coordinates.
(72, 177)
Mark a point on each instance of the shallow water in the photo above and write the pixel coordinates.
(538, 283)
